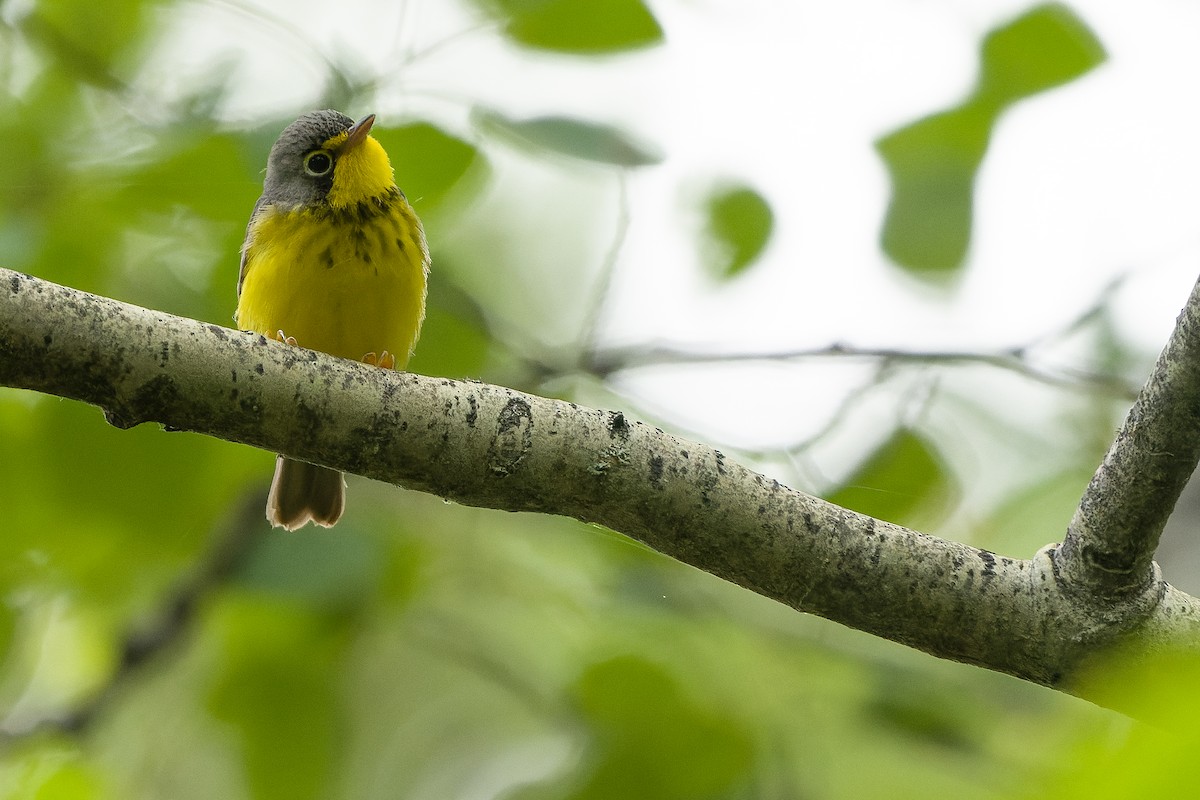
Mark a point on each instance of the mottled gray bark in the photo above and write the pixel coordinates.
(477, 444)
(1109, 548)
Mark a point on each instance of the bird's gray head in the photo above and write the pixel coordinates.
(302, 161)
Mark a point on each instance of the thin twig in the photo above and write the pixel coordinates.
(281, 24)
(605, 363)
(608, 268)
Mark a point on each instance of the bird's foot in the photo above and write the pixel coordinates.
(385, 360)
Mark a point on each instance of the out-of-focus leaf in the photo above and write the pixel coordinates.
(577, 138)
(55, 776)
(650, 740)
(324, 571)
(90, 492)
(738, 226)
(1145, 760)
(429, 162)
(8, 620)
(1028, 521)
(1045, 47)
(183, 217)
(89, 41)
(454, 339)
(904, 481)
(917, 710)
(35, 181)
(933, 162)
(212, 175)
(577, 26)
(277, 687)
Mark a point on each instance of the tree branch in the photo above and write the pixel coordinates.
(1110, 543)
(489, 446)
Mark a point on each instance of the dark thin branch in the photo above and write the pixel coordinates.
(600, 295)
(281, 27)
(605, 363)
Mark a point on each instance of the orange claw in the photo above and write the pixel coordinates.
(284, 338)
(385, 360)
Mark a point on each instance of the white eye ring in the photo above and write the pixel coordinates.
(318, 163)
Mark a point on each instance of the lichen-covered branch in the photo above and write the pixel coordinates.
(490, 446)
(1110, 544)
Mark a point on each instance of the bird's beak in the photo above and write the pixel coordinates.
(357, 133)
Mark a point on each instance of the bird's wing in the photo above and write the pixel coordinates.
(248, 244)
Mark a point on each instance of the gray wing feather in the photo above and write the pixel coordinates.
(258, 207)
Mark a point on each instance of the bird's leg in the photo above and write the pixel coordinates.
(281, 336)
(385, 359)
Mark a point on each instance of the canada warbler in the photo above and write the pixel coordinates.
(334, 260)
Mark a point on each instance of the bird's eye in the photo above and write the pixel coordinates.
(318, 163)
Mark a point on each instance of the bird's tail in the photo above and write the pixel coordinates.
(302, 493)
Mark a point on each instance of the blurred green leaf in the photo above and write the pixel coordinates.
(1028, 520)
(56, 776)
(738, 226)
(455, 339)
(577, 138)
(34, 182)
(1045, 47)
(90, 493)
(8, 619)
(213, 174)
(277, 686)
(429, 162)
(1145, 760)
(933, 162)
(649, 740)
(183, 216)
(919, 711)
(89, 41)
(326, 572)
(904, 481)
(577, 26)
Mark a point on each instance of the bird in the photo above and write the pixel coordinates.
(334, 259)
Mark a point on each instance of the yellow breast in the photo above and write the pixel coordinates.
(346, 281)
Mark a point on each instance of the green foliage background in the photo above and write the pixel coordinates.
(424, 649)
